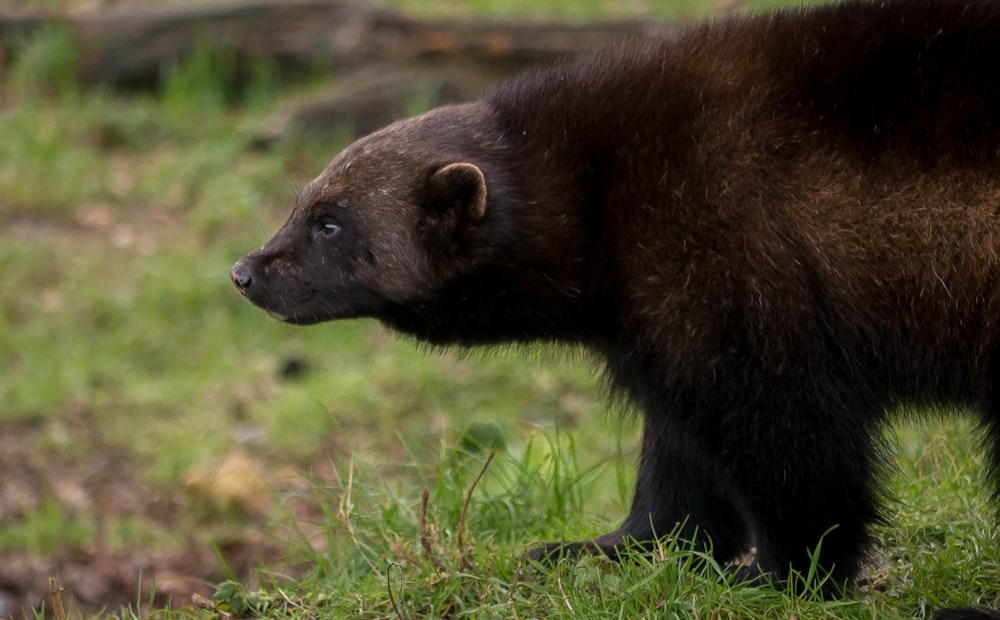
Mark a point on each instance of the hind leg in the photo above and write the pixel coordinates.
(678, 486)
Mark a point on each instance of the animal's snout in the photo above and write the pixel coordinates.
(241, 276)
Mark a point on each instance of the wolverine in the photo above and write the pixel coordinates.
(774, 231)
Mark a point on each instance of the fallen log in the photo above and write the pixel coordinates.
(134, 46)
(379, 59)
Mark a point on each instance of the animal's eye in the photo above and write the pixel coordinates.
(328, 229)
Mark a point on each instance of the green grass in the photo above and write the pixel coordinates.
(373, 555)
(120, 218)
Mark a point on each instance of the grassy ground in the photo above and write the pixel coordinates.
(126, 355)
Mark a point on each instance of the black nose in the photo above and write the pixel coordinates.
(240, 275)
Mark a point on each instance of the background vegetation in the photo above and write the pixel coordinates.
(127, 355)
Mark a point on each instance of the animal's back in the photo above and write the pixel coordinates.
(777, 182)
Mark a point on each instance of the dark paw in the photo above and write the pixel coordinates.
(616, 546)
(550, 554)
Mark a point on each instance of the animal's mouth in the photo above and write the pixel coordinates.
(290, 312)
(311, 307)
(299, 312)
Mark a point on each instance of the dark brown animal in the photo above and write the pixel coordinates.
(774, 230)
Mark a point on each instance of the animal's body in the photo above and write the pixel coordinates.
(774, 231)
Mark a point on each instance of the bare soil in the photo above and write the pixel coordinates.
(99, 485)
(127, 541)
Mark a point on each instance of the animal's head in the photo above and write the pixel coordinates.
(391, 220)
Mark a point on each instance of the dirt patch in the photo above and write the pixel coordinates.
(90, 490)
(140, 228)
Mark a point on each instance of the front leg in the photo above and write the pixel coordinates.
(679, 489)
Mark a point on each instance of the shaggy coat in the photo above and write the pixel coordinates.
(774, 231)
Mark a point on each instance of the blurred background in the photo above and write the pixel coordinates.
(154, 425)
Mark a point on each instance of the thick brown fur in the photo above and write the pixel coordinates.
(774, 229)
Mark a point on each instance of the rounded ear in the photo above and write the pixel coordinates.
(460, 186)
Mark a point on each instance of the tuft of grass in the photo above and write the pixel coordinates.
(942, 547)
(45, 65)
(205, 80)
(51, 529)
